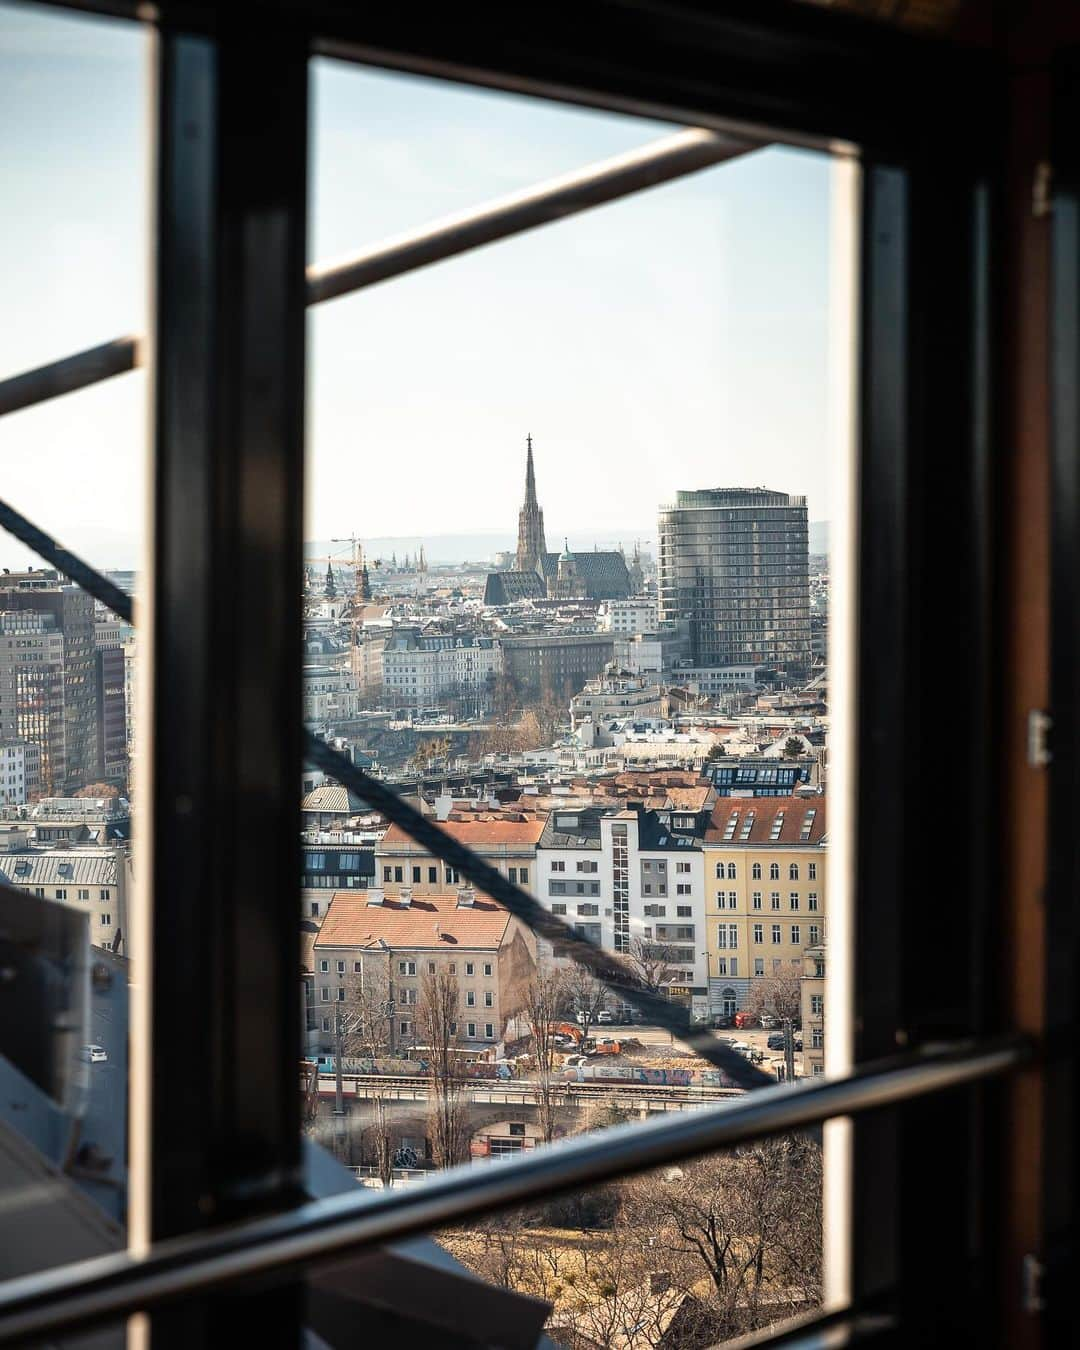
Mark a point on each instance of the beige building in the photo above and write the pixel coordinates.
(507, 845)
(813, 1011)
(369, 940)
(764, 890)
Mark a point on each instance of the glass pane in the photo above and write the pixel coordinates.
(72, 272)
(567, 587)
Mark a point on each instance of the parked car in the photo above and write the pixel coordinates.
(746, 1019)
(723, 1020)
(94, 1054)
(776, 1041)
(768, 1021)
(604, 1018)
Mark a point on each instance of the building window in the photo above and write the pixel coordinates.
(523, 875)
(61, 893)
(324, 966)
(757, 900)
(489, 999)
(431, 967)
(451, 877)
(719, 871)
(817, 1038)
(470, 969)
(487, 967)
(796, 934)
(774, 899)
(326, 1024)
(759, 932)
(399, 874)
(324, 994)
(106, 920)
(793, 872)
(721, 965)
(388, 874)
(811, 901)
(721, 936)
(407, 995)
(811, 871)
(755, 874)
(556, 888)
(433, 876)
(590, 866)
(776, 934)
(314, 907)
(759, 965)
(453, 967)
(489, 1030)
(774, 871)
(406, 967)
(341, 994)
(470, 1030)
(793, 900)
(416, 874)
(815, 935)
(733, 934)
(817, 1004)
(103, 894)
(682, 867)
(732, 900)
(558, 909)
(404, 1029)
(683, 888)
(453, 1028)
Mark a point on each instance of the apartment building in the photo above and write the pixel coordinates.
(630, 616)
(507, 845)
(96, 881)
(764, 865)
(633, 881)
(330, 695)
(813, 1011)
(617, 695)
(369, 940)
(561, 662)
(20, 772)
(419, 668)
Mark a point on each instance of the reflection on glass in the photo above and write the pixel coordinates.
(72, 261)
(544, 597)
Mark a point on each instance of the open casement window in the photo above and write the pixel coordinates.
(224, 1196)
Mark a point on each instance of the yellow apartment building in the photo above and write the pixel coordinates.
(813, 1011)
(764, 891)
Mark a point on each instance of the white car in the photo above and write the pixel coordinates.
(604, 1018)
(94, 1054)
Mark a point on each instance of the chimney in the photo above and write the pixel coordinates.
(466, 897)
(442, 806)
(405, 896)
(375, 895)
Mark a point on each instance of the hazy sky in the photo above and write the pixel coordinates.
(676, 339)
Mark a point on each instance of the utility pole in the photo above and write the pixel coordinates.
(789, 1050)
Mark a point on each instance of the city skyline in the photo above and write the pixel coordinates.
(650, 333)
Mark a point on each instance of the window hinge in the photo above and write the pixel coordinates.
(1032, 1295)
(1040, 725)
(1042, 190)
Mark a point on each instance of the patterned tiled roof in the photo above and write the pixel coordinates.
(804, 821)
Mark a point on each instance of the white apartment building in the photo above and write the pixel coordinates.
(634, 882)
(418, 668)
(330, 695)
(629, 616)
(20, 772)
(713, 680)
(617, 696)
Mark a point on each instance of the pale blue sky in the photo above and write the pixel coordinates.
(676, 339)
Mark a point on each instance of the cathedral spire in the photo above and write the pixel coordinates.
(531, 546)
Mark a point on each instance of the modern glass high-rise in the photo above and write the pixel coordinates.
(734, 564)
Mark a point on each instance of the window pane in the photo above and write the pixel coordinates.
(72, 272)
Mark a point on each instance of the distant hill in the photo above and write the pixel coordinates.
(476, 547)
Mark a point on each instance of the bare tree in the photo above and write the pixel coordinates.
(585, 996)
(652, 962)
(750, 1220)
(436, 1018)
(778, 994)
(543, 999)
(382, 1143)
(365, 1018)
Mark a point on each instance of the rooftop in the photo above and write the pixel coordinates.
(428, 922)
(768, 821)
(492, 832)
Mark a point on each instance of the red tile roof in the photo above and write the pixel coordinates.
(431, 921)
(493, 833)
(766, 809)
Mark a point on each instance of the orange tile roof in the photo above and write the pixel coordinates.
(431, 921)
(765, 810)
(475, 833)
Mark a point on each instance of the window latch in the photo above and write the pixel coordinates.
(1040, 725)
